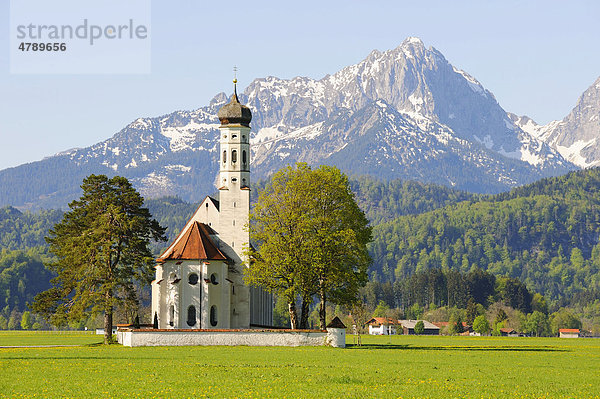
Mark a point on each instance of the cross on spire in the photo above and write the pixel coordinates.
(235, 80)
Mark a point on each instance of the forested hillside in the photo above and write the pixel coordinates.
(545, 234)
(24, 230)
(385, 200)
(23, 245)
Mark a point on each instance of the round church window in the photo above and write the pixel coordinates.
(193, 279)
(213, 279)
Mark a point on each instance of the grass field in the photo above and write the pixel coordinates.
(448, 367)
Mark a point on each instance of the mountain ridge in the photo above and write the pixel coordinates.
(575, 137)
(429, 121)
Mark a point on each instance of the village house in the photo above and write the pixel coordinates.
(569, 333)
(508, 332)
(382, 326)
(408, 327)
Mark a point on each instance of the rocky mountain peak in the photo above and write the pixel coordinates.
(400, 113)
(576, 137)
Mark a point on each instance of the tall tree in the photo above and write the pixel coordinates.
(537, 324)
(102, 249)
(340, 234)
(278, 228)
(481, 325)
(311, 239)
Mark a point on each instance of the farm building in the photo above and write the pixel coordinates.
(508, 332)
(408, 327)
(569, 333)
(382, 326)
(100, 331)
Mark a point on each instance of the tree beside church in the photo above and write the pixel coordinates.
(102, 249)
(310, 238)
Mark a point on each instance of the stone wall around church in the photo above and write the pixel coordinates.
(147, 337)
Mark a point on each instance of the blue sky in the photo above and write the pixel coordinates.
(537, 57)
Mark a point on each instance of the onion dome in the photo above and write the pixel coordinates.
(235, 113)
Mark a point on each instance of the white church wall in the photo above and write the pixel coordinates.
(156, 294)
(225, 294)
(191, 294)
(215, 296)
(172, 297)
(240, 302)
(207, 213)
(136, 338)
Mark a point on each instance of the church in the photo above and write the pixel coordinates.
(199, 278)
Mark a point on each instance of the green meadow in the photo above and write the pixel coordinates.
(388, 367)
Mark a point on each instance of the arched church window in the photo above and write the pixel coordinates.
(214, 279)
(234, 156)
(224, 156)
(213, 316)
(193, 279)
(244, 157)
(172, 315)
(191, 316)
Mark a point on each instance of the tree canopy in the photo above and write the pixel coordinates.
(102, 249)
(310, 238)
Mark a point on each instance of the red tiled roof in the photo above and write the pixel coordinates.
(568, 330)
(195, 243)
(381, 320)
(507, 330)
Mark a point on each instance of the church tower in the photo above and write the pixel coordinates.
(234, 172)
(234, 196)
(234, 200)
(199, 278)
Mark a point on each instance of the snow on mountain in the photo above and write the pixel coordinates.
(576, 136)
(412, 79)
(405, 112)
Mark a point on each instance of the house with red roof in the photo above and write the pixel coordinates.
(569, 333)
(508, 332)
(382, 326)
